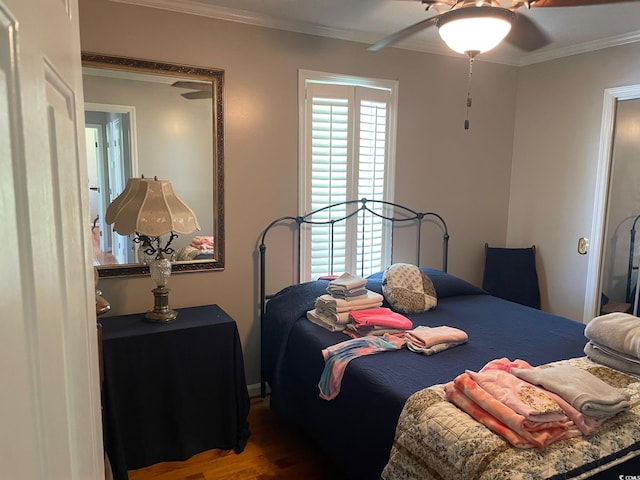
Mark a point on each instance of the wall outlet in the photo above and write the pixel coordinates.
(583, 245)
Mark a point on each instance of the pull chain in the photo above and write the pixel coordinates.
(472, 55)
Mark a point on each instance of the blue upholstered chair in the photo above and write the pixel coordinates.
(510, 273)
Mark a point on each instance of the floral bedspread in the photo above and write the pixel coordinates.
(436, 440)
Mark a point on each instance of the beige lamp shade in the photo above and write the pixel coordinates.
(151, 207)
(120, 200)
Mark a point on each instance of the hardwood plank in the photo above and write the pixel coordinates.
(274, 451)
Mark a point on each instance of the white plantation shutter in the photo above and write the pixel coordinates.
(372, 155)
(346, 156)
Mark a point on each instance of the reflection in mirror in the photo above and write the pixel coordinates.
(620, 289)
(159, 120)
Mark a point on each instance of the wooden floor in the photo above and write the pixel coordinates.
(274, 451)
(98, 255)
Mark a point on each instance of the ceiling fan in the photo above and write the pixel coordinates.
(199, 89)
(472, 27)
(475, 26)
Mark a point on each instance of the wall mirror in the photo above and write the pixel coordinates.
(153, 119)
(612, 274)
(620, 257)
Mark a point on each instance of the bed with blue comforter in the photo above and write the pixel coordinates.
(356, 429)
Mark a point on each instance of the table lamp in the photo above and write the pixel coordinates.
(149, 209)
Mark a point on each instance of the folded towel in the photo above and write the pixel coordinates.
(346, 282)
(618, 331)
(612, 358)
(324, 322)
(583, 390)
(348, 294)
(425, 337)
(342, 318)
(381, 317)
(358, 331)
(437, 348)
(338, 305)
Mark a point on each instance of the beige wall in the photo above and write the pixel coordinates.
(555, 160)
(463, 175)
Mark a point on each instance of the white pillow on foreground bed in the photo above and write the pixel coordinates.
(407, 289)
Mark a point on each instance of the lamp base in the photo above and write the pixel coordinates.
(161, 311)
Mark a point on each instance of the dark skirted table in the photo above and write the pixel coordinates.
(172, 390)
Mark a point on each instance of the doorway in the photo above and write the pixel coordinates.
(613, 267)
(620, 258)
(111, 161)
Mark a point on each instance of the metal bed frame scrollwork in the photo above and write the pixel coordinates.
(392, 214)
(631, 292)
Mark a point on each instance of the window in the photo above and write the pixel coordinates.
(347, 138)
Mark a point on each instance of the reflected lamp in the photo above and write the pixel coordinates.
(149, 209)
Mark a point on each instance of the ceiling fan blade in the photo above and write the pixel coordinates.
(402, 34)
(206, 87)
(574, 3)
(196, 95)
(526, 34)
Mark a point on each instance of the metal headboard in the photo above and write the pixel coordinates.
(393, 213)
(631, 294)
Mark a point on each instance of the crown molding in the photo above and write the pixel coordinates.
(195, 7)
(241, 16)
(586, 47)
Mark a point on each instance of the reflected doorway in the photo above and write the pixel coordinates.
(619, 284)
(111, 162)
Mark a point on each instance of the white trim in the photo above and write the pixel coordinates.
(254, 390)
(390, 174)
(594, 269)
(195, 7)
(570, 50)
(385, 91)
(133, 132)
(302, 140)
(313, 76)
(253, 18)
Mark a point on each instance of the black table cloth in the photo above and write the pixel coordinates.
(174, 389)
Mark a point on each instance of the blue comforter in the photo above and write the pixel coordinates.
(357, 428)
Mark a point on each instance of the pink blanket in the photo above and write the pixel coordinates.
(495, 414)
(585, 423)
(202, 242)
(381, 317)
(528, 400)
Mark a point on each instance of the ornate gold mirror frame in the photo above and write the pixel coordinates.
(184, 73)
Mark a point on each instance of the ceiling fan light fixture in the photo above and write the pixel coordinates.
(474, 29)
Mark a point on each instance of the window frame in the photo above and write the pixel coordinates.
(306, 77)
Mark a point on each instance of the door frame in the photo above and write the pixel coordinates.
(130, 111)
(603, 176)
(105, 230)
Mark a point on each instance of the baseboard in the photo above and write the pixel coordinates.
(254, 390)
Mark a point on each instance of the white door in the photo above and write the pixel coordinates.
(50, 400)
(98, 172)
(116, 180)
